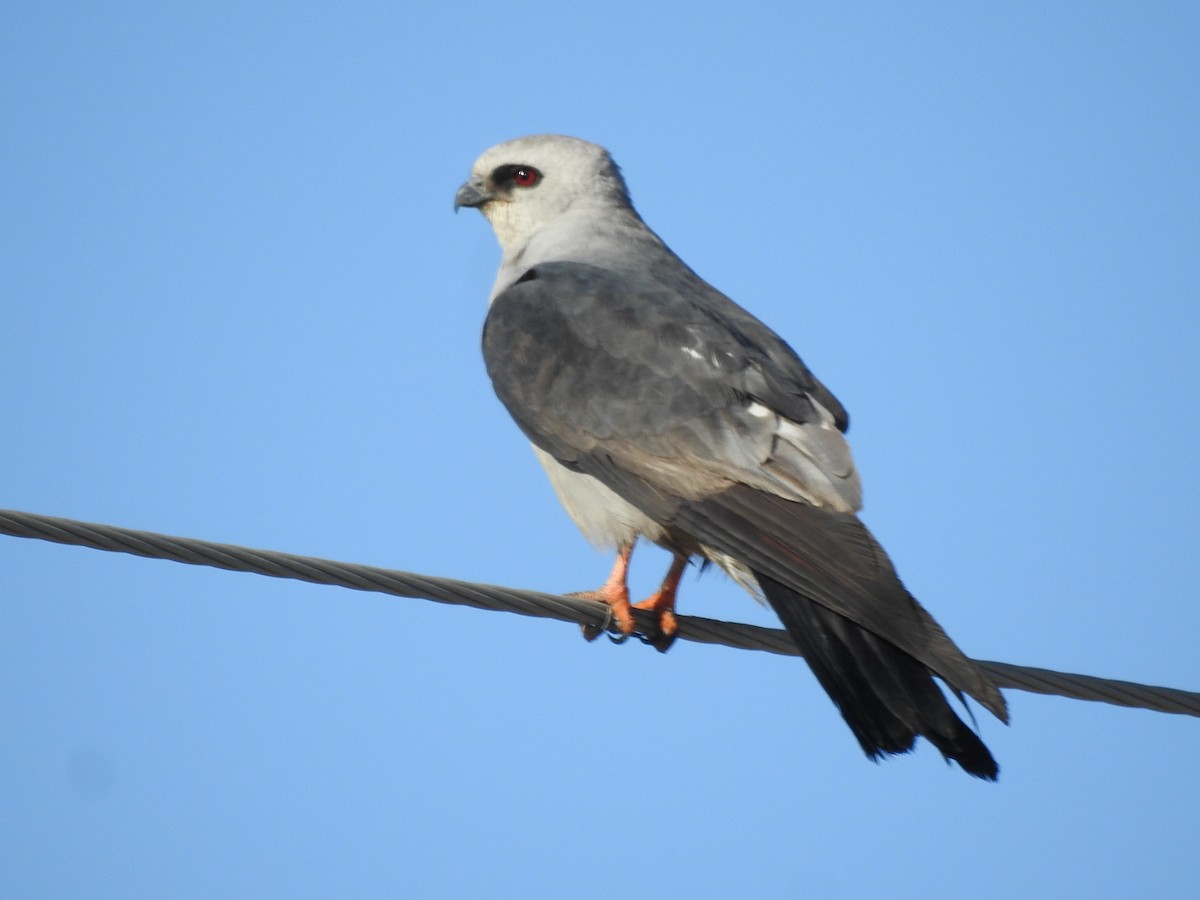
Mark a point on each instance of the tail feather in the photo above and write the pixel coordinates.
(887, 697)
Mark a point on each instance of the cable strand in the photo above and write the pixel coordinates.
(276, 564)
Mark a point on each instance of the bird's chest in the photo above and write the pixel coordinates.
(604, 518)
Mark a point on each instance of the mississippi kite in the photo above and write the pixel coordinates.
(662, 409)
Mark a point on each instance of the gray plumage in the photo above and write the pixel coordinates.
(660, 408)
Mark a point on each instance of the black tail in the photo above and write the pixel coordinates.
(886, 696)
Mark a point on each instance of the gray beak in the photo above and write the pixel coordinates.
(472, 193)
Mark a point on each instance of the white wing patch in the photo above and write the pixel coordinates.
(759, 411)
(810, 461)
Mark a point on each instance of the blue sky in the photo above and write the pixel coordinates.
(234, 304)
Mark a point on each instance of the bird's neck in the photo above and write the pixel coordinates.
(610, 241)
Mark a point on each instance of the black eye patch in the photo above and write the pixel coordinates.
(515, 175)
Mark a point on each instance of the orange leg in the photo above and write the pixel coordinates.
(615, 593)
(662, 602)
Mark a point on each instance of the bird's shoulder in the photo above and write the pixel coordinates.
(663, 377)
(657, 321)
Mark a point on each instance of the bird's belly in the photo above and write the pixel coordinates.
(604, 518)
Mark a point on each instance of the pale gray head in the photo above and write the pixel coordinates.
(524, 184)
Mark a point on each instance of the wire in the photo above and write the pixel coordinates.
(532, 603)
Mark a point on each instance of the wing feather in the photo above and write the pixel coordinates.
(677, 379)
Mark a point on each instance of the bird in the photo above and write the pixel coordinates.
(661, 409)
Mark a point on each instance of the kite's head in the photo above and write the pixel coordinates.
(524, 184)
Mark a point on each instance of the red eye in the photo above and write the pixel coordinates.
(526, 176)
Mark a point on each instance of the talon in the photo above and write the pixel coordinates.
(591, 632)
(662, 643)
(615, 595)
(668, 631)
(662, 602)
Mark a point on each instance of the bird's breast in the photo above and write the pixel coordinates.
(604, 518)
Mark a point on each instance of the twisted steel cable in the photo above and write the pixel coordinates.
(533, 603)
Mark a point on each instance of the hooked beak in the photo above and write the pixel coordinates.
(473, 193)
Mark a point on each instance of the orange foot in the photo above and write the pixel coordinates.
(662, 602)
(615, 594)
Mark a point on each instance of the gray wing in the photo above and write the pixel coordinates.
(689, 390)
(700, 416)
